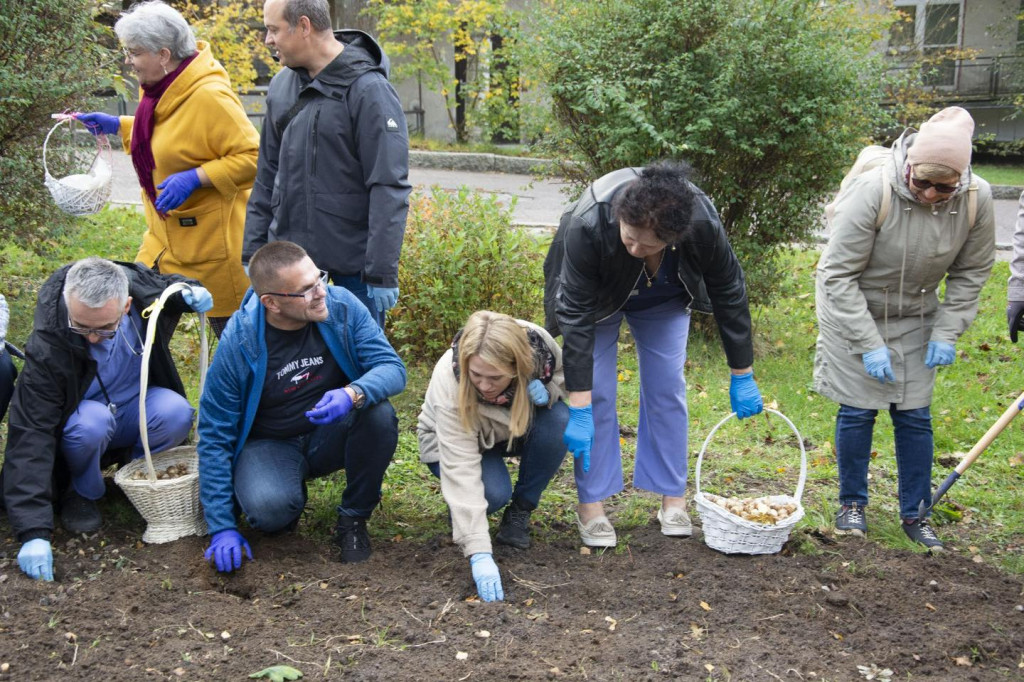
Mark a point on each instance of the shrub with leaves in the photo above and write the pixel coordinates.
(50, 61)
(769, 101)
(461, 254)
(234, 29)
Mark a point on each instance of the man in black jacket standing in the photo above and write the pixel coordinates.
(75, 407)
(334, 154)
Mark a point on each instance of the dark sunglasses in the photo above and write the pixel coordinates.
(940, 188)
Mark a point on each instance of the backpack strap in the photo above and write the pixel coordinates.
(972, 203)
(883, 209)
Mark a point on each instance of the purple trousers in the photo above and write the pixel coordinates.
(93, 429)
(660, 334)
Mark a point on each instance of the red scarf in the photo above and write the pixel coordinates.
(142, 129)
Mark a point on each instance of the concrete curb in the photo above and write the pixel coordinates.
(1006, 192)
(480, 163)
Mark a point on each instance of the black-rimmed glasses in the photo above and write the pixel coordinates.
(306, 293)
(102, 333)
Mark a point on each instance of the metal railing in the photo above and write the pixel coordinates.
(978, 79)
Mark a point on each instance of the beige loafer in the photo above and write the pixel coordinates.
(675, 522)
(598, 532)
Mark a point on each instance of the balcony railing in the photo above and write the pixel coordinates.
(983, 79)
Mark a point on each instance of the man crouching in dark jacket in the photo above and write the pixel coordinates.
(75, 407)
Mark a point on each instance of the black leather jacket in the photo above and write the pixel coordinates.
(589, 275)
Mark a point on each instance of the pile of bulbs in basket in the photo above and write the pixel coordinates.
(757, 509)
(173, 471)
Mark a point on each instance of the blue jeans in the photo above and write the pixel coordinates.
(914, 451)
(358, 287)
(540, 455)
(270, 474)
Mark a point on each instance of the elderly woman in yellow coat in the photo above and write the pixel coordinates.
(194, 150)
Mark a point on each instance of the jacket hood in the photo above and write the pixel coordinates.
(899, 162)
(361, 55)
(203, 71)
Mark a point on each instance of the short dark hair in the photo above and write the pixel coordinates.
(661, 199)
(270, 259)
(317, 11)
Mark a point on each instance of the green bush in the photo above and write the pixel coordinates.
(768, 101)
(50, 61)
(460, 254)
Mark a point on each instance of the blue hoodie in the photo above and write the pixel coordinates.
(234, 385)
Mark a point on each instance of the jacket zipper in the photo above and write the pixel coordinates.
(316, 138)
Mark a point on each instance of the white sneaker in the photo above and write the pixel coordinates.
(675, 522)
(598, 532)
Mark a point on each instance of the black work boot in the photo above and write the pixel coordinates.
(351, 536)
(515, 526)
(79, 515)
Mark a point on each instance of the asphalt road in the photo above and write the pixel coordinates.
(538, 202)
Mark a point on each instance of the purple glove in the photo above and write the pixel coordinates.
(177, 187)
(332, 407)
(226, 549)
(99, 123)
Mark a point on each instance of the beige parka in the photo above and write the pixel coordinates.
(880, 286)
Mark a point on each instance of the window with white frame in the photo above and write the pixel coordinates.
(931, 27)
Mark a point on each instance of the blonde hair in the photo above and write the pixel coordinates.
(935, 172)
(498, 340)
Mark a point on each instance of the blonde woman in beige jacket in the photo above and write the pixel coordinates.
(882, 329)
(496, 393)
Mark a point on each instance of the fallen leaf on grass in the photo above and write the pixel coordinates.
(1017, 460)
(963, 661)
(278, 673)
(704, 605)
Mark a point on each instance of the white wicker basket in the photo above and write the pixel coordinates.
(170, 506)
(732, 534)
(87, 191)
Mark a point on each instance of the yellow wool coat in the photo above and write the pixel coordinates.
(200, 122)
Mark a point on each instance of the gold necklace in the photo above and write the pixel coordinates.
(650, 279)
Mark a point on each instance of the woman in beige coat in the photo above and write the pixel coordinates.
(882, 329)
(496, 393)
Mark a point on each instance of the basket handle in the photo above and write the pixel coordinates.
(799, 439)
(102, 144)
(147, 352)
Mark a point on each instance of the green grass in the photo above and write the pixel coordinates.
(1001, 174)
(756, 456)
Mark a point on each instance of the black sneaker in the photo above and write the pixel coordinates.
(515, 526)
(79, 515)
(922, 533)
(350, 534)
(851, 521)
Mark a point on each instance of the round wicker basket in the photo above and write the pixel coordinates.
(170, 506)
(89, 190)
(731, 534)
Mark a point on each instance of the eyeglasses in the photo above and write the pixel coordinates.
(940, 188)
(306, 293)
(102, 333)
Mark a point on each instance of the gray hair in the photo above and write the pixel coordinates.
(317, 11)
(94, 281)
(152, 26)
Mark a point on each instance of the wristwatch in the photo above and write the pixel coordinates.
(360, 398)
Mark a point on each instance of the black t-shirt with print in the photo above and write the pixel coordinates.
(300, 369)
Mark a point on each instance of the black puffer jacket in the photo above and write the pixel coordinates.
(58, 371)
(589, 274)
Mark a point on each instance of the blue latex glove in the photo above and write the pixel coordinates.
(939, 353)
(384, 297)
(198, 298)
(579, 433)
(332, 407)
(36, 559)
(1014, 315)
(488, 580)
(226, 549)
(744, 396)
(176, 187)
(877, 364)
(100, 124)
(538, 393)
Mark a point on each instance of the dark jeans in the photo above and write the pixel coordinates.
(540, 456)
(358, 287)
(914, 450)
(270, 474)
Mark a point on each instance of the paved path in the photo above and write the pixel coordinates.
(539, 203)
